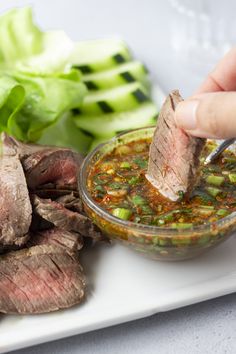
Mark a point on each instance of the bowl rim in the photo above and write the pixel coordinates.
(151, 230)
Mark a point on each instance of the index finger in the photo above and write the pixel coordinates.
(223, 77)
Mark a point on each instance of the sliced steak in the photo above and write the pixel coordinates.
(67, 240)
(39, 279)
(12, 146)
(174, 156)
(15, 206)
(65, 219)
(59, 167)
(45, 165)
(72, 202)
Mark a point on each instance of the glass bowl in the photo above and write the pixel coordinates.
(166, 244)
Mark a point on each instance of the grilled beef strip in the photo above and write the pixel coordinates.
(67, 240)
(45, 165)
(40, 279)
(15, 206)
(173, 166)
(65, 219)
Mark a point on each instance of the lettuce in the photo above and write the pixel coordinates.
(45, 100)
(65, 133)
(36, 86)
(20, 37)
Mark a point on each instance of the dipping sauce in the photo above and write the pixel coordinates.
(118, 184)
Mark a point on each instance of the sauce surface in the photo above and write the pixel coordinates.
(118, 184)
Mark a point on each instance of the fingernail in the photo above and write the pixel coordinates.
(185, 114)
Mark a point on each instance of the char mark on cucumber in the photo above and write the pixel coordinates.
(173, 166)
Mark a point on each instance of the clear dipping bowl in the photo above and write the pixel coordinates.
(165, 244)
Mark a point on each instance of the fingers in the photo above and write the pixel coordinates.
(223, 77)
(210, 115)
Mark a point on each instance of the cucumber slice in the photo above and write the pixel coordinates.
(110, 124)
(95, 55)
(124, 73)
(118, 99)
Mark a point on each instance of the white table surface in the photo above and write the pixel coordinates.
(209, 327)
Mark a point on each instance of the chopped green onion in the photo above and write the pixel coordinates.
(228, 159)
(181, 225)
(222, 212)
(205, 211)
(213, 191)
(215, 180)
(230, 166)
(134, 180)
(181, 195)
(232, 177)
(123, 150)
(115, 185)
(209, 207)
(140, 162)
(140, 147)
(99, 188)
(146, 209)
(138, 200)
(125, 164)
(122, 213)
(205, 198)
(101, 178)
(161, 222)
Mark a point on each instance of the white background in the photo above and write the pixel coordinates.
(209, 327)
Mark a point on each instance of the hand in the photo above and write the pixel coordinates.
(211, 111)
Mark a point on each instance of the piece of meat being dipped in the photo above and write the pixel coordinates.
(173, 166)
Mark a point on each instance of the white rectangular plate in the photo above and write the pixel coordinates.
(124, 286)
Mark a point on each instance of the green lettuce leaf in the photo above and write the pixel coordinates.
(65, 133)
(20, 37)
(41, 102)
(36, 85)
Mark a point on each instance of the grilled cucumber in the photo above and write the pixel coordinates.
(118, 99)
(95, 55)
(109, 124)
(124, 73)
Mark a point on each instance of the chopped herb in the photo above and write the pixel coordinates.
(140, 162)
(232, 177)
(146, 209)
(215, 180)
(101, 178)
(138, 200)
(125, 164)
(181, 195)
(222, 212)
(181, 225)
(122, 213)
(134, 180)
(115, 185)
(99, 188)
(213, 191)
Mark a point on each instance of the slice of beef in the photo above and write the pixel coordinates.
(39, 279)
(53, 193)
(71, 201)
(67, 240)
(174, 156)
(15, 206)
(59, 167)
(12, 146)
(44, 165)
(65, 219)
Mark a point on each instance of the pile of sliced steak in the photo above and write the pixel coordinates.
(42, 228)
(174, 156)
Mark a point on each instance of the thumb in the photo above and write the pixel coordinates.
(209, 115)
